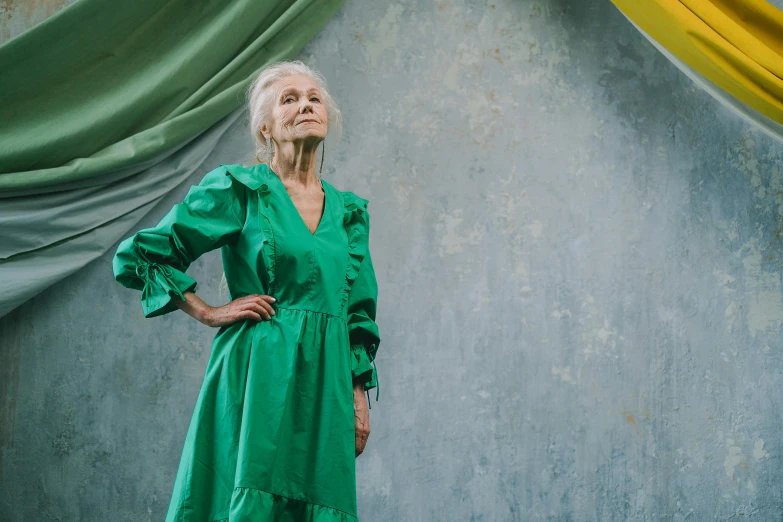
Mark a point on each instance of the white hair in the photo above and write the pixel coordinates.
(261, 101)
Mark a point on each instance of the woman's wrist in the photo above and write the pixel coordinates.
(202, 314)
(194, 307)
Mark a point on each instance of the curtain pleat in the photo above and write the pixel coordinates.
(104, 85)
(68, 235)
(747, 113)
(736, 46)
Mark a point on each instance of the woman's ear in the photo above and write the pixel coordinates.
(265, 131)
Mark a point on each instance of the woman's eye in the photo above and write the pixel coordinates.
(287, 99)
(314, 98)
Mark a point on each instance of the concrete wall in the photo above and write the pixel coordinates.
(579, 260)
(17, 17)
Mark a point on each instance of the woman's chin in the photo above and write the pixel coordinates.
(311, 135)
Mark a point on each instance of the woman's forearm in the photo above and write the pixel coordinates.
(193, 306)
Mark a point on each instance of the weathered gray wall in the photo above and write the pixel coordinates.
(579, 259)
(17, 16)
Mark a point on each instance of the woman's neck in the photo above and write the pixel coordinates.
(295, 164)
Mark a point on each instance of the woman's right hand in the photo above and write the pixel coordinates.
(254, 306)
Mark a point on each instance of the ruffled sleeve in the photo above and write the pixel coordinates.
(362, 328)
(154, 260)
(362, 301)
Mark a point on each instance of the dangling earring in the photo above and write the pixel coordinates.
(268, 152)
(323, 153)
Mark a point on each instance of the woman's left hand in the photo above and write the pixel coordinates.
(361, 415)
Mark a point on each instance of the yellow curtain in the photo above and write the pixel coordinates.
(735, 44)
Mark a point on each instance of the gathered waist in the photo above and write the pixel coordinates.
(291, 308)
(282, 304)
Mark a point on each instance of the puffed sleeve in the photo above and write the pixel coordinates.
(362, 328)
(154, 260)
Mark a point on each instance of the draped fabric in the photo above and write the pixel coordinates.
(732, 49)
(106, 107)
(73, 228)
(104, 85)
(747, 113)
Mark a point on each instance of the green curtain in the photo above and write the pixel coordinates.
(103, 85)
(107, 107)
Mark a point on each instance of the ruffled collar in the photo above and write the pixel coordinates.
(252, 177)
(257, 177)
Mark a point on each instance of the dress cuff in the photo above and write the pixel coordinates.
(362, 368)
(161, 283)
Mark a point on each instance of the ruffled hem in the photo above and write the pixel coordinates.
(249, 504)
(161, 283)
(356, 226)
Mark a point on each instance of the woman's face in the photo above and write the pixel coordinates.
(299, 113)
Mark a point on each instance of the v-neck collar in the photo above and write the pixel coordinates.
(324, 212)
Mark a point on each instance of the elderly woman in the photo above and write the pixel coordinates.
(281, 415)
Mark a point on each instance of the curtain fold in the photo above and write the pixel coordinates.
(735, 46)
(104, 85)
(772, 128)
(78, 235)
(106, 107)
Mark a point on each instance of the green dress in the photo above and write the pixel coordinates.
(272, 437)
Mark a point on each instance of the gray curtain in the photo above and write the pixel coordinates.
(50, 236)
